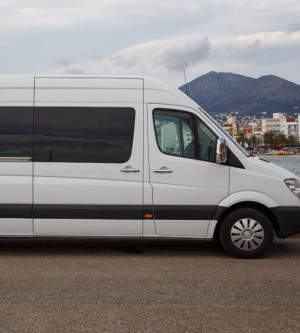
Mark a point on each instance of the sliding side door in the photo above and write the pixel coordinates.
(88, 172)
(16, 149)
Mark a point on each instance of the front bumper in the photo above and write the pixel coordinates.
(288, 220)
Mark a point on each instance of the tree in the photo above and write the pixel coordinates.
(269, 138)
(280, 139)
(249, 142)
(293, 141)
(241, 139)
(275, 139)
(256, 141)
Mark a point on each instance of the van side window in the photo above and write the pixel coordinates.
(16, 132)
(83, 134)
(183, 134)
(174, 133)
(207, 142)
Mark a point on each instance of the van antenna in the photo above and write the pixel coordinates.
(186, 88)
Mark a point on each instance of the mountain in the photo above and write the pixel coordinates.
(228, 92)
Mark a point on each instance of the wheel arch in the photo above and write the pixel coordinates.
(246, 204)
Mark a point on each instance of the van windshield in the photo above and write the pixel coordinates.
(227, 135)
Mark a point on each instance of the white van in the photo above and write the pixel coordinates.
(132, 157)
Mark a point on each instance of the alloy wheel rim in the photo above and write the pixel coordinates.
(247, 234)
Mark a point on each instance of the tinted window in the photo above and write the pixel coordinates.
(16, 132)
(83, 134)
(183, 134)
(174, 133)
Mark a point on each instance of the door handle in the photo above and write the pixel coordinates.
(163, 170)
(129, 168)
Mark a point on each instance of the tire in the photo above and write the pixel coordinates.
(246, 233)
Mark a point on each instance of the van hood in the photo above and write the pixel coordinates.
(260, 165)
(264, 178)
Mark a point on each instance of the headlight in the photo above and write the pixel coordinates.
(294, 185)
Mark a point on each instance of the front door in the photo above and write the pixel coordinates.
(187, 182)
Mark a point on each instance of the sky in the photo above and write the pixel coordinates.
(160, 38)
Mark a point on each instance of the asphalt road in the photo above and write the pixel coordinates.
(146, 286)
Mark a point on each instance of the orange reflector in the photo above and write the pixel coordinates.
(148, 216)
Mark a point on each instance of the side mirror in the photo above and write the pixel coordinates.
(221, 154)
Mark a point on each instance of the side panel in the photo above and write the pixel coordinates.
(16, 149)
(88, 173)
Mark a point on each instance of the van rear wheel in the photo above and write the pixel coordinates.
(246, 233)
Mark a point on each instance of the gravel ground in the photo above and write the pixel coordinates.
(71, 285)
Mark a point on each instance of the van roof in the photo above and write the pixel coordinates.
(155, 90)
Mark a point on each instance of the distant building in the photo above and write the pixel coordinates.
(231, 126)
(292, 128)
(251, 126)
(257, 131)
(282, 124)
(275, 124)
(247, 129)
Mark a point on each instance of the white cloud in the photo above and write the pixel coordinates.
(294, 27)
(168, 55)
(66, 13)
(193, 53)
(16, 14)
(153, 37)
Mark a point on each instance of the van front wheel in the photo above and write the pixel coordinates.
(246, 233)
